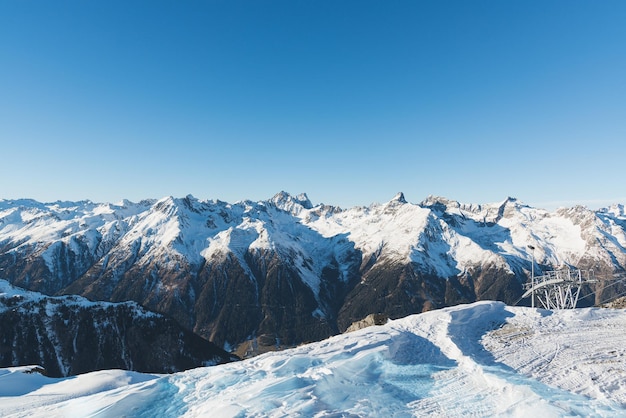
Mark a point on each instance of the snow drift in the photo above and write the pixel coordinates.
(482, 359)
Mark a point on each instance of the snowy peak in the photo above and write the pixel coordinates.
(288, 203)
(304, 201)
(398, 198)
(617, 210)
(439, 203)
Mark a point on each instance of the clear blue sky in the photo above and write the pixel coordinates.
(348, 101)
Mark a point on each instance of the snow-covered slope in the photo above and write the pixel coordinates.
(280, 272)
(483, 360)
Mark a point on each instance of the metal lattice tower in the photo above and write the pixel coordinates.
(558, 289)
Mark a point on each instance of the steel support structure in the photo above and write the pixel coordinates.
(558, 289)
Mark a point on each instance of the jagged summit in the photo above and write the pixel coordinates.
(615, 209)
(511, 201)
(304, 201)
(399, 198)
(289, 203)
(433, 201)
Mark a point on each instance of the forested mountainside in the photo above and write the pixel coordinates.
(69, 335)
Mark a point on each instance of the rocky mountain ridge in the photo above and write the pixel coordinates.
(69, 335)
(269, 274)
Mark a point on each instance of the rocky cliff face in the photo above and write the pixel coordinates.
(369, 321)
(280, 272)
(70, 335)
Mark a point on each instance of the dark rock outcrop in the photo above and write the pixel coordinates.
(70, 335)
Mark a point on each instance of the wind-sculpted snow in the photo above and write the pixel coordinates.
(482, 360)
(284, 271)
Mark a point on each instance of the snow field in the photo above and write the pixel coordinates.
(582, 351)
(481, 360)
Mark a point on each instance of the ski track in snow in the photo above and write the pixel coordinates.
(484, 359)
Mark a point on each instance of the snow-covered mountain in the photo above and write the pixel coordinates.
(479, 360)
(275, 273)
(68, 335)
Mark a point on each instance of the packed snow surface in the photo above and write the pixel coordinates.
(484, 359)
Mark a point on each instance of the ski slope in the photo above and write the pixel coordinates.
(483, 359)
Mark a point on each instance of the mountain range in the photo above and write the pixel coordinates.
(257, 276)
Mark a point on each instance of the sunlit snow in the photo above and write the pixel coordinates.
(484, 359)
